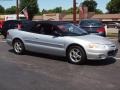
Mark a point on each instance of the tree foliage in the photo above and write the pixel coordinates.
(113, 6)
(98, 11)
(91, 4)
(44, 11)
(32, 7)
(59, 10)
(2, 10)
(55, 10)
(11, 10)
(69, 11)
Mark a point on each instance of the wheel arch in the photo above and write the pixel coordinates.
(74, 44)
(15, 40)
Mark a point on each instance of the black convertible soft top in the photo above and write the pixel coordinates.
(53, 22)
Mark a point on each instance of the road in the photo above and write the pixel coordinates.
(43, 72)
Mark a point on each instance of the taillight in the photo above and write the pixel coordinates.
(101, 29)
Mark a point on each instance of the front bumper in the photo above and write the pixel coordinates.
(102, 54)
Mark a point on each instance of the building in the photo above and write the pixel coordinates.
(107, 17)
(91, 15)
(11, 17)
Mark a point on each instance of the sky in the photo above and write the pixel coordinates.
(50, 4)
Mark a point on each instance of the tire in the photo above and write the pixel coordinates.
(18, 47)
(76, 55)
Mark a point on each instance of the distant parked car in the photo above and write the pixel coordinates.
(119, 35)
(93, 26)
(62, 39)
(112, 25)
(118, 26)
(1, 24)
(12, 24)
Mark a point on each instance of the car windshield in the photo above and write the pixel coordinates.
(72, 30)
(91, 22)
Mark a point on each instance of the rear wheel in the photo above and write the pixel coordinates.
(18, 47)
(76, 55)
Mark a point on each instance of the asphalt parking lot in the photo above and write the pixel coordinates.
(43, 72)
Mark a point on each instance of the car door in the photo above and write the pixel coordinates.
(45, 41)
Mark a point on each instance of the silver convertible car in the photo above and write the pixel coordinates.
(61, 39)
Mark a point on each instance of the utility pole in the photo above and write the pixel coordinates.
(74, 11)
(17, 10)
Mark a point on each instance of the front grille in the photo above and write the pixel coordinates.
(112, 52)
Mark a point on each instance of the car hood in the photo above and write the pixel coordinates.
(94, 39)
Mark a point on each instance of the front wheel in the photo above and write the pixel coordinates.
(76, 55)
(18, 47)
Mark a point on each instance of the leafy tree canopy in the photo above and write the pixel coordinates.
(32, 7)
(11, 10)
(113, 6)
(91, 4)
(2, 10)
(98, 11)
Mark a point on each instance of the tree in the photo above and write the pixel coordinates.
(11, 10)
(55, 10)
(32, 7)
(113, 6)
(44, 11)
(58, 10)
(91, 4)
(69, 11)
(2, 10)
(98, 11)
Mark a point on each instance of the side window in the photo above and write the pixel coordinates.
(56, 31)
(43, 28)
(13, 25)
(28, 26)
(5, 25)
(46, 29)
(36, 28)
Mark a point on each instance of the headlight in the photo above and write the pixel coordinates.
(99, 46)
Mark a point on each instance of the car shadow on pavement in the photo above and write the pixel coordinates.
(63, 59)
(41, 55)
(101, 62)
(46, 56)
